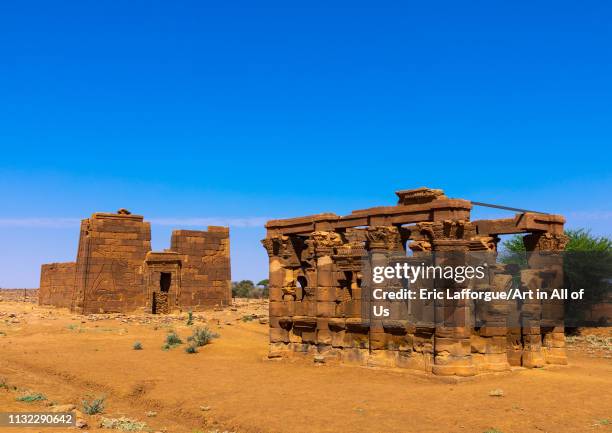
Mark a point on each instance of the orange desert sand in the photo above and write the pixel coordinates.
(230, 385)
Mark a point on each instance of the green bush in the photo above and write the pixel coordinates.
(28, 398)
(93, 406)
(190, 318)
(587, 264)
(137, 345)
(202, 336)
(172, 339)
(248, 289)
(192, 348)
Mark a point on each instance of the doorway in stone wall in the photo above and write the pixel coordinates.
(160, 304)
(165, 279)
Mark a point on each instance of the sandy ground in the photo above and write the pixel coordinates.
(230, 385)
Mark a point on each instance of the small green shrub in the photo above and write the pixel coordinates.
(28, 398)
(190, 318)
(172, 339)
(192, 348)
(3, 383)
(137, 345)
(248, 318)
(202, 336)
(93, 405)
(493, 430)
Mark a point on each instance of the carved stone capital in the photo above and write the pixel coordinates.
(484, 243)
(383, 237)
(447, 230)
(325, 242)
(545, 242)
(420, 246)
(274, 245)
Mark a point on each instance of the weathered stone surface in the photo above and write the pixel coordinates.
(116, 271)
(316, 283)
(57, 284)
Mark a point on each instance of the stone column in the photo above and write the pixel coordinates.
(383, 244)
(320, 249)
(547, 339)
(452, 343)
(489, 340)
(280, 322)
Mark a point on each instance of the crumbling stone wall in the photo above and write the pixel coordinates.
(57, 284)
(205, 274)
(316, 288)
(19, 295)
(116, 271)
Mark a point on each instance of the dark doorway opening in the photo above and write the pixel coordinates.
(165, 279)
(160, 302)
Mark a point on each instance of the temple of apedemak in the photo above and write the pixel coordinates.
(116, 271)
(317, 288)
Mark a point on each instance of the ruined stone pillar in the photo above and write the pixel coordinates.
(383, 244)
(489, 339)
(279, 306)
(321, 249)
(452, 342)
(544, 343)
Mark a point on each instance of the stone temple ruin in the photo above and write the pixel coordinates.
(317, 292)
(116, 271)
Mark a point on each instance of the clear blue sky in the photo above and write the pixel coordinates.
(238, 113)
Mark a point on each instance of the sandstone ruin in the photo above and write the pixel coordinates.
(317, 291)
(116, 271)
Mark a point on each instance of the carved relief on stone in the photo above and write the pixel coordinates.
(326, 239)
(289, 290)
(447, 230)
(545, 242)
(272, 245)
(280, 246)
(308, 256)
(419, 246)
(484, 243)
(386, 237)
(325, 242)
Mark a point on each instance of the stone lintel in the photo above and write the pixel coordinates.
(163, 257)
(522, 223)
(438, 209)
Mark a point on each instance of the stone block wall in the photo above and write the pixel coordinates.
(57, 284)
(109, 275)
(205, 267)
(116, 271)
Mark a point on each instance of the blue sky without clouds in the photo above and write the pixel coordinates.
(236, 112)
